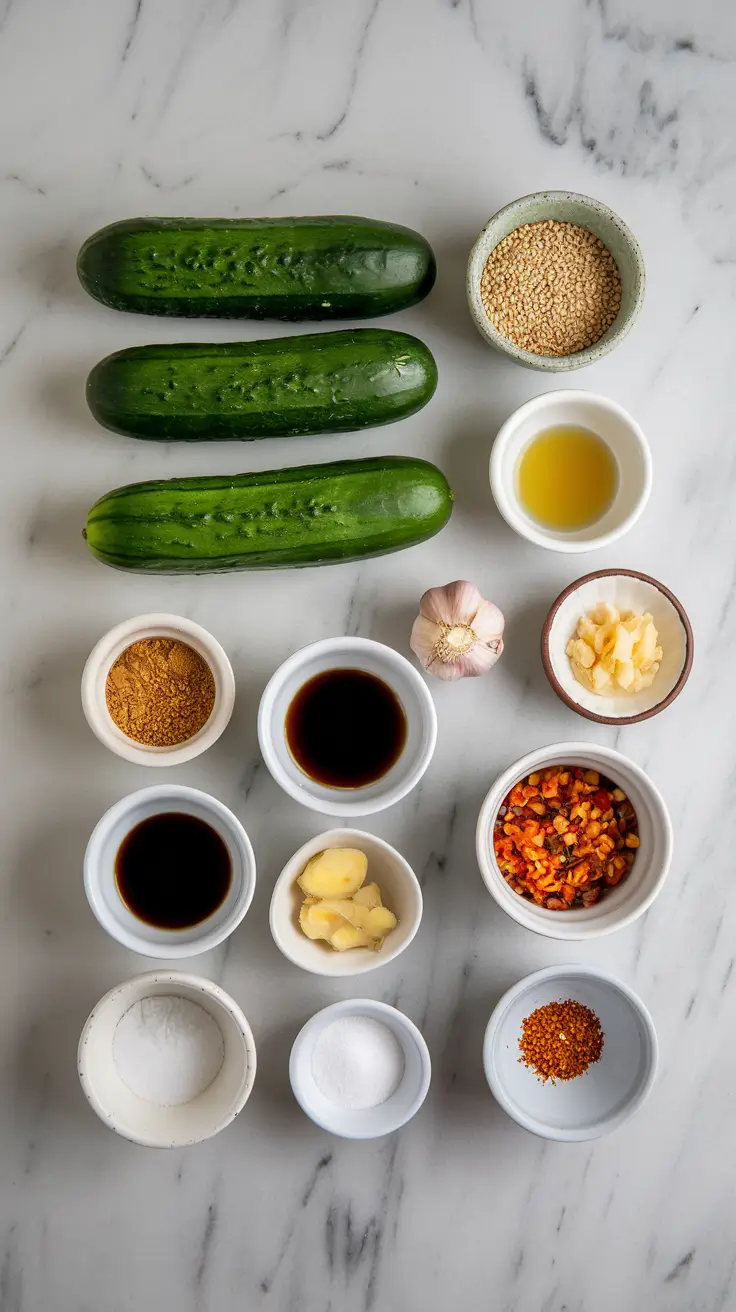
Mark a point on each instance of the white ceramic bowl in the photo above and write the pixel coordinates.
(145, 1122)
(104, 655)
(625, 589)
(348, 653)
(610, 422)
(399, 888)
(101, 888)
(621, 905)
(372, 1122)
(609, 1092)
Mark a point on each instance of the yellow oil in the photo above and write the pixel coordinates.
(566, 478)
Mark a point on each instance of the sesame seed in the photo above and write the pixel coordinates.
(553, 288)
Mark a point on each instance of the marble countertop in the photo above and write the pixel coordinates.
(433, 113)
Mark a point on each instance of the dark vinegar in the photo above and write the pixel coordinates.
(173, 871)
(345, 728)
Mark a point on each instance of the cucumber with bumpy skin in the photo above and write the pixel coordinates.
(311, 515)
(327, 267)
(318, 383)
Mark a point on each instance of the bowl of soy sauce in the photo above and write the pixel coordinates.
(169, 871)
(347, 726)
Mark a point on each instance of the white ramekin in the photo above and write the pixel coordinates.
(101, 888)
(386, 867)
(145, 1122)
(369, 1122)
(609, 1092)
(610, 422)
(348, 653)
(104, 655)
(621, 905)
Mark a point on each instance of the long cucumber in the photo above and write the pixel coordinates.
(328, 267)
(319, 383)
(311, 515)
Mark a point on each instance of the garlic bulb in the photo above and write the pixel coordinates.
(457, 633)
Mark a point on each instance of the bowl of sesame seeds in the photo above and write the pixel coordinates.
(555, 280)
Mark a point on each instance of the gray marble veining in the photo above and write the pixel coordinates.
(433, 113)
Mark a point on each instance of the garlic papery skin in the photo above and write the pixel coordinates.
(457, 633)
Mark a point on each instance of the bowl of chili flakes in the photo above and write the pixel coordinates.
(574, 841)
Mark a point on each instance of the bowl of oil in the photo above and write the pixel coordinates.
(571, 471)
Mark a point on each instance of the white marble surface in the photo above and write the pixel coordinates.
(433, 113)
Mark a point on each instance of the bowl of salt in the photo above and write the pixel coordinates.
(167, 1059)
(360, 1069)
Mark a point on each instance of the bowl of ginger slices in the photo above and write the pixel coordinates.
(344, 904)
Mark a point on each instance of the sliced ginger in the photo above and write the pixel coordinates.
(368, 896)
(349, 936)
(380, 921)
(339, 908)
(336, 872)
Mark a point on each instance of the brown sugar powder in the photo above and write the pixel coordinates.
(160, 692)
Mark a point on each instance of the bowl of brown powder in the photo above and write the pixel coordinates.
(158, 690)
(555, 280)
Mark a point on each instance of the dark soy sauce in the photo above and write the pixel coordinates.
(173, 871)
(345, 728)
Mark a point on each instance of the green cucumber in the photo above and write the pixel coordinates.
(306, 516)
(330, 267)
(319, 383)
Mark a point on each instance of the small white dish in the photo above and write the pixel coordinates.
(385, 664)
(370, 1122)
(113, 644)
(609, 1092)
(399, 888)
(621, 905)
(625, 589)
(610, 422)
(101, 888)
(145, 1122)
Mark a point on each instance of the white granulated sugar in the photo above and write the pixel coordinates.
(357, 1062)
(167, 1050)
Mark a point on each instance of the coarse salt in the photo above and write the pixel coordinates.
(357, 1062)
(167, 1050)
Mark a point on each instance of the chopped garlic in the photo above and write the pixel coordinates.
(614, 651)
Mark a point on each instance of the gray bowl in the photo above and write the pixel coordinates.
(565, 207)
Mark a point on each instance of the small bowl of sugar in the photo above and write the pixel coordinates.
(360, 1069)
(167, 1059)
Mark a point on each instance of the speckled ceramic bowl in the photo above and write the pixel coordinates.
(565, 207)
(148, 1123)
